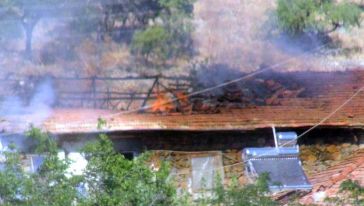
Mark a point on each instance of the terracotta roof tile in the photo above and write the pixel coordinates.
(329, 181)
(326, 92)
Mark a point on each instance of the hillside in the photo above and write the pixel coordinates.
(242, 33)
(238, 34)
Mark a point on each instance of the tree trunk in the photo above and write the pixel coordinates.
(28, 25)
(28, 41)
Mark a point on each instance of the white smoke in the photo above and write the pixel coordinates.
(19, 115)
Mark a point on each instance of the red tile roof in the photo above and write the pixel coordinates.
(329, 181)
(326, 91)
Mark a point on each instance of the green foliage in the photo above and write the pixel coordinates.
(351, 193)
(152, 42)
(101, 16)
(156, 31)
(101, 123)
(110, 179)
(114, 180)
(12, 179)
(295, 16)
(322, 16)
(184, 6)
(49, 186)
(25, 14)
(249, 195)
(42, 142)
(169, 37)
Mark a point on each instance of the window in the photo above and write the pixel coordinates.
(36, 161)
(32, 162)
(204, 171)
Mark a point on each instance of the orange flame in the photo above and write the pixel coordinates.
(182, 98)
(162, 104)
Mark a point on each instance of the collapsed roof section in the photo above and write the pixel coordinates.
(290, 112)
(323, 93)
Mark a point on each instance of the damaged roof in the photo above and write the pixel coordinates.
(323, 93)
(328, 181)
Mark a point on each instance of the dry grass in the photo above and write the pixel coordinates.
(234, 33)
(231, 32)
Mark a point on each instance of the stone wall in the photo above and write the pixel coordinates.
(230, 165)
(316, 158)
(179, 148)
(320, 149)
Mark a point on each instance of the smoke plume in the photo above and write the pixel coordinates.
(20, 113)
(244, 35)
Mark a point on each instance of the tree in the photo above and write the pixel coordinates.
(12, 179)
(155, 30)
(247, 195)
(168, 38)
(152, 43)
(49, 186)
(114, 17)
(27, 14)
(109, 180)
(319, 16)
(114, 180)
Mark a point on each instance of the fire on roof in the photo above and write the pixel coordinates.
(316, 95)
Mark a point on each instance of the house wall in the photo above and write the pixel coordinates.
(323, 146)
(320, 147)
(182, 148)
(19, 141)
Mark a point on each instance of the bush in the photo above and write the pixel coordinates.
(109, 180)
(50, 186)
(248, 195)
(114, 180)
(152, 43)
(318, 16)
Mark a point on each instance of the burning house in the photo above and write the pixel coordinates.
(223, 132)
